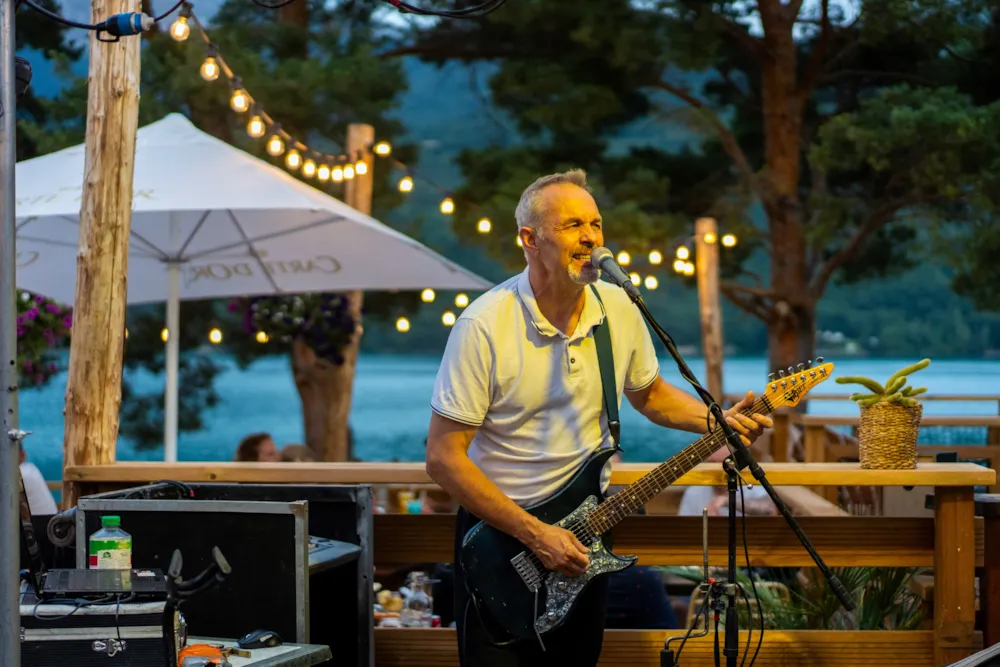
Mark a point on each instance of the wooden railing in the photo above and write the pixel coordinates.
(951, 543)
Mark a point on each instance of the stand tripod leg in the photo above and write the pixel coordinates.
(732, 647)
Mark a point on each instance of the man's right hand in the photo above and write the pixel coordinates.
(560, 550)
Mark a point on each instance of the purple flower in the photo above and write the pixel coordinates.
(20, 320)
(52, 308)
(233, 306)
(68, 321)
(21, 331)
(52, 368)
(32, 314)
(39, 299)
(27, 364)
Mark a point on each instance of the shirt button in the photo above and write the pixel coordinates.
(572, 360)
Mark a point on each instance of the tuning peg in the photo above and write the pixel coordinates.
(791, 371)
(781, 373)
(770, 377)
(819, 360)
(800, 367)
(809, 364)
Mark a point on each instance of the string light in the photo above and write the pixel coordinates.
(679, 265)
(292, 159)
(462, 300)
(635, 278)
(710, 238)
(348, 172)
(683, 252)
(447, 206)
(256, 128)
(180, 29)
(406, 184)
(484, 226)
(448, 318)
(427, 296)
(215, 336)
(624, 258)
(165, 335)
(651, 282)
(337, 174)
(361, 167)
(239, 102)
(323, 173)
(262, 337)
(729, 240)
(309, 169)
(383, 149)
(655, 257)
(210, 69)
(402, 324)
(275, 146)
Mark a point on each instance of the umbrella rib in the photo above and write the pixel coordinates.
(197, 227)
(265, 237)
(67, 244)
(253, 251)
(151, 248)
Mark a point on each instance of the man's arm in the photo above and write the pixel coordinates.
(449, 465)
(666, 405)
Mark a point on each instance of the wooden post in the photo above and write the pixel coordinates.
(706, 262)
(954, 574)
(93, 389)
(324, 388)
(989, 582)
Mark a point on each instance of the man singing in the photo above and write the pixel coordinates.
(517, 407)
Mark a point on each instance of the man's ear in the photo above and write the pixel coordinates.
(528, 238)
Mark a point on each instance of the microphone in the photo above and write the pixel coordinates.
(602, 259)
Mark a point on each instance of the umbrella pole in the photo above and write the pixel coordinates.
(173, 354)
(10, 480)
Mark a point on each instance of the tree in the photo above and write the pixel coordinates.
(826, 140)
(314, 99)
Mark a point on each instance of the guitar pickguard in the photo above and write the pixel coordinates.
(561, 591)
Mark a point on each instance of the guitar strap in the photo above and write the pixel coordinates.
(606, 362)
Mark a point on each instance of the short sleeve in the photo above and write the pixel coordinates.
(462, 387)
(643, 367)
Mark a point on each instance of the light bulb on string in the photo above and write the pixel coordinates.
(309, 169)
(683, 252)
(484, 226)
(210, 69)
(215, 336)
(256, 127)
(427, 296)
(262, 337)
(688, 269)
(402, 325)
(348, 171)
(462, 300)
(679, 265)
(655, 257)
(361, 167)
(383, 148)
(275, 146)
(323, 173)
(624, 258)
(165, 335)
(447, 206)
(293, 160)
(635, 278)
(240, 101)
(406, 184)
(337, 174)
(651, 282)
(729, 240)
(448, 318)
(180, 29)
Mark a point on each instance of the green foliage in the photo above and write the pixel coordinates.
(895, 391)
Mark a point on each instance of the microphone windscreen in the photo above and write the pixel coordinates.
(598, 255)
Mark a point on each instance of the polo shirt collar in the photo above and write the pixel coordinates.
(591, 316)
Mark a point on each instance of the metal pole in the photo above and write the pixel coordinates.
(10, 481)
(173, 359)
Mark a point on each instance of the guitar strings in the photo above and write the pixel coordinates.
(582, 529)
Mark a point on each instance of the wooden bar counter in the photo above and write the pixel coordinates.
(951, 543)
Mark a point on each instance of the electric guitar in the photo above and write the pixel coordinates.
(520, 597)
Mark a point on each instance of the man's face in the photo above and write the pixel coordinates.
(572, 228)
(266, 451)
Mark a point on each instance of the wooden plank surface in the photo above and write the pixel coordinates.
(402, 539)
(954, 574)
(779, 474)
(418, 647)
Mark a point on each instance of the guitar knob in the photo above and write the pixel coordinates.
(562, 585)
(550, 617)
(819, 360)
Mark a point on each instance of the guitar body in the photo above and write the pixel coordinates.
(519, 597)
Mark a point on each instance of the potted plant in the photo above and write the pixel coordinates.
(890, 419)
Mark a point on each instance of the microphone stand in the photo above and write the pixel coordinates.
(739, 459)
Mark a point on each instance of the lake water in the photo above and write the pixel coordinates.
(390, 410)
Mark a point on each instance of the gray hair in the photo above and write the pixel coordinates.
(528, 212)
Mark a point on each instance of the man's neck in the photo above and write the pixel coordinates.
(559, 300)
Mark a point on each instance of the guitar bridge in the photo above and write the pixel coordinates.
(527, 570)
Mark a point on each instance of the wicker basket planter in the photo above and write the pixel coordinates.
(887, 436)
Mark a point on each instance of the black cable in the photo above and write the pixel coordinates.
(88, 26)
(169, 11)
(476, 11)
(718, 660)
(753, 585)
(278, 5)
(701, 611)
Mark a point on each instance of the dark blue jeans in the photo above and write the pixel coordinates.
(577, 642)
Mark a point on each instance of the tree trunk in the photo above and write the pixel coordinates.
(325, 388)
(792, 322)
(93, 389)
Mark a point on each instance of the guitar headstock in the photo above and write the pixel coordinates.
(787, 387)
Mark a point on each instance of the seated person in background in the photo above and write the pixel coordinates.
(297, 453)
(40, 498)
(716, 498)
(258, 447)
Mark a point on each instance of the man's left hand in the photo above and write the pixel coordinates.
(749, 426)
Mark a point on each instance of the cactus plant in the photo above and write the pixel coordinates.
(895, 390)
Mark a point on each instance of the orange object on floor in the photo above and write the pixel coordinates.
(214, 653)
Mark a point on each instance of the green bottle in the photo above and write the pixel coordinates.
(111, 547)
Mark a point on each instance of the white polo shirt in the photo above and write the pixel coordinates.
(534, 392)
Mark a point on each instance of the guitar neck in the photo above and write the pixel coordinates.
(637, 494)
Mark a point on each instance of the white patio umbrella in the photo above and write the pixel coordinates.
(211, 221)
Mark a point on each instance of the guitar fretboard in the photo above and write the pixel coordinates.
(631, 498)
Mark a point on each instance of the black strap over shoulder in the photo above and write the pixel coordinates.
(606, 362)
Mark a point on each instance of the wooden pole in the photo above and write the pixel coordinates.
(706, 233)
(93, 389)
(325, 388)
